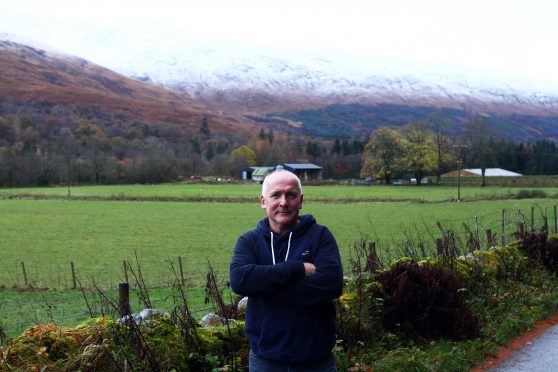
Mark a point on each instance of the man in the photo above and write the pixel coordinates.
(290, 269)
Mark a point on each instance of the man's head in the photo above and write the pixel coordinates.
(282, 200)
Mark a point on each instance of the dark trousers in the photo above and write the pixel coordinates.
(262, 365)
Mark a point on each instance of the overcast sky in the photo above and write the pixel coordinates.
(509, 36)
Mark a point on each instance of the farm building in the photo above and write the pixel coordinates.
(259, 173)
(305, 171)
(246, 173)
(476, 172)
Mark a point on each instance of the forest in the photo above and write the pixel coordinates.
(44, 144)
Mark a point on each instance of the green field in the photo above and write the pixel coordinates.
(98, 235)
(250, 191)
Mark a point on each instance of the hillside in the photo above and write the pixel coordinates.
(31, 76)
(357, 120)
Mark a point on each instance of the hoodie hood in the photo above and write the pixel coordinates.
(304, 223)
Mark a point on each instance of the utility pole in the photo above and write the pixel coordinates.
(459, 146)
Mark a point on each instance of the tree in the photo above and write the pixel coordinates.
(544, 159)
(262, 134)
(240, 158)
(196, 148)
(382, 154)
(313, 149)
(210, 150)
(478, 133)
(346, 148)
(336, 149)
(440, 125)
(419, 148)
(204, 129)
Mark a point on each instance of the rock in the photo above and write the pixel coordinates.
(144, 315)
(211, 320)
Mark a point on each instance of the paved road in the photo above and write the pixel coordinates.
(540, 354)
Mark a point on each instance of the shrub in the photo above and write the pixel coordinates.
(531, 194)
(426, 301)
(537, 246)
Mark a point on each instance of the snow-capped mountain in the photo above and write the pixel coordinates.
(236, 87)
(263, 80)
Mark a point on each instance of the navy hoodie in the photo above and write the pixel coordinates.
(290, 317)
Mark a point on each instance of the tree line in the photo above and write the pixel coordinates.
(55, 145)
(431, 147)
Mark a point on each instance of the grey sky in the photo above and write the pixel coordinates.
(509, 36)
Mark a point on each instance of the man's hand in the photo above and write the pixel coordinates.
(309, 269)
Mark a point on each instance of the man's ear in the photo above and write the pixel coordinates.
(301, 199)
(262, 201)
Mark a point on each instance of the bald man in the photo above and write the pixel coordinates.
(290, 269)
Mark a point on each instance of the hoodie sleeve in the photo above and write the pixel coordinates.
(251, 279)
(326, 284)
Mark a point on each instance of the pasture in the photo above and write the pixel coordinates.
(98, 235)
(250, 191)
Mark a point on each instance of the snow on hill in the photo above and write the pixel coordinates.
(221, 72)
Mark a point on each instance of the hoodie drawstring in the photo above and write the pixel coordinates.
(288, 247)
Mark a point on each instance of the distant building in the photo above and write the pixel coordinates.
(477, 172)
(305, 171)
(246, 173)
(259, 173)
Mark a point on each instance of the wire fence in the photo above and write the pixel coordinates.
(72, 275)
(25, 302)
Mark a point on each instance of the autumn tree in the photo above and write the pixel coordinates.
(240, 158)
(419, 149)
(382, 154)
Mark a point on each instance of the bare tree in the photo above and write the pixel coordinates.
(478, 134)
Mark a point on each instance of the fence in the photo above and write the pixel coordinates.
(157, 273)
(67, 306)
(488, 230)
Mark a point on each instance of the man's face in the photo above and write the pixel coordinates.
(282, 202)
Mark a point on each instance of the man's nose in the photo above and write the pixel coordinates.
(283, 200)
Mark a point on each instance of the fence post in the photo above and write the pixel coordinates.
(181, 270)
(125, 266)
(488, 238)
(503, 227)
(73, 275)
(555, 221)
(24, 272)
(124, 299)
(532, 218)
(477, 231)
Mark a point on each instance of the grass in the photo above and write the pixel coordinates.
(249, 192)
(98, 235)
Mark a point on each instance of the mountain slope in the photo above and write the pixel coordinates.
(243, 79)
(31, 75)
(357, 120)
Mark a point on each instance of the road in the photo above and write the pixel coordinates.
(538, 354)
